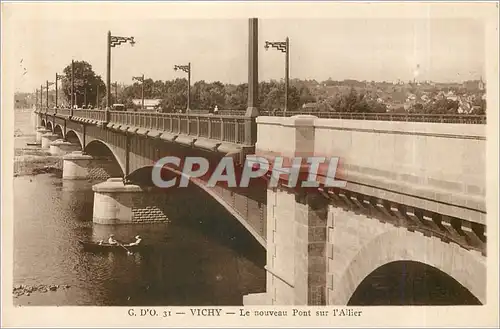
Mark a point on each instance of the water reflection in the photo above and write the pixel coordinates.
(202, 257)
(187, 264)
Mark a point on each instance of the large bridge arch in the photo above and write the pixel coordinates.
(73, 136)
(100, 148)
(143, 176)
(59, 130)
(468, 268)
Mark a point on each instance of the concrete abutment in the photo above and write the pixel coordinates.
(61, 147)
(117, 203)
(77, 165)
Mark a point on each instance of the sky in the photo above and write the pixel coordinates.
(364, 48)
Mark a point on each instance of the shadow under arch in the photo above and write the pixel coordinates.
(399, 244)
(143, 176)
(59, 131)
(73, 137)
(101, 149)
(49, 126)
(410, 283)
(43, 123)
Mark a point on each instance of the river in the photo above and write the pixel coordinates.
(202, 257)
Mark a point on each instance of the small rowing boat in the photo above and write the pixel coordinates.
(96, 247)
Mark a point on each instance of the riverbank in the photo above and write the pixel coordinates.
(34, 161)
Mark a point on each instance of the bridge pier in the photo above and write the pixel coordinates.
(61, 147)
(39, 132)
(35, 120)
(77, 165)
(47, 139)
(117, 203)
(296, 249)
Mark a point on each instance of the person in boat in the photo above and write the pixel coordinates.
(137, 241)
(112, 240)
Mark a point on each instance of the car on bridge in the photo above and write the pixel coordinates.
(118, 107)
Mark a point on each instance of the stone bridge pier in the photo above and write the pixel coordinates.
(39, 132)
(79, 165)
(117, 203)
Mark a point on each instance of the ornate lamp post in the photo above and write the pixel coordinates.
(113, 41)
(97, 97)
(58, 77)
(283, 46)
(41, 97)
(73, 94)
(47, 88)
(187, 69)
(141, 80)
(36, 98)
(116, 90)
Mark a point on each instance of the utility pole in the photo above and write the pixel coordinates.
(72, 87)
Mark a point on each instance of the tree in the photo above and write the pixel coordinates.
(85, 80)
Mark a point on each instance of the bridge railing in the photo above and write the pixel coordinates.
(98, 115)
(219, 127)
(411, 117)
(65, 112)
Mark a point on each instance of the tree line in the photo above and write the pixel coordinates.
(206, 95)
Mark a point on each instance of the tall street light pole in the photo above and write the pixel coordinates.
(41, 97)
(187, 69)
(283, 46)
(141, 80)
(97, 97)
(73, 101)
(116, 90)
(58, 77)
(113, 41)
(47, 95)
(253, 82)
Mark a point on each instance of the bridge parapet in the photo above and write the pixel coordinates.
(224, 128)
(438, 167)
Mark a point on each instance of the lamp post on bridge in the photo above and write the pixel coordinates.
(72, 88)
(47, 87)
(116, 90)
(141, 80)
(41, 97)
(58, 77)
(113, 41)
(283, 46)
(187, 69)
(97, 97)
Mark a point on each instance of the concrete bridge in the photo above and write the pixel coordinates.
(415, 193)
(407, 198)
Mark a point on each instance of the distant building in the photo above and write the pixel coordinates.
(149, 104)
(473, 85)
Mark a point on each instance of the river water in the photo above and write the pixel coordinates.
(202, 257)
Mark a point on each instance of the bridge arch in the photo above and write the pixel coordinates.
(142, 176)
(99, 148)
(399, 244)
(43, 123)
(49, 126)
(59, 130)
(74, 137)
